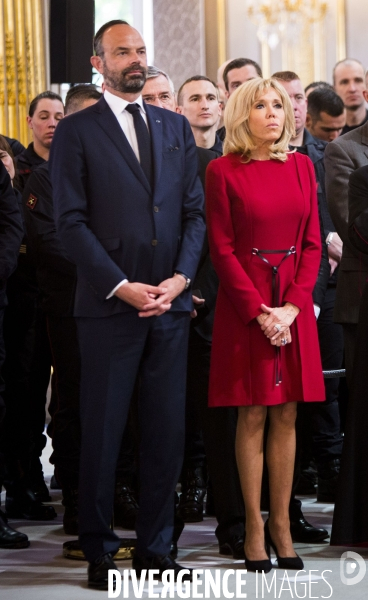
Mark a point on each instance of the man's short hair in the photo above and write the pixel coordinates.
(49, 95)
(97, 40)
(324, 100)
(347, 62)
(318, 85)
(153, 72)
(285, 76)
(78, 94)
(194, 78)
(238, 63)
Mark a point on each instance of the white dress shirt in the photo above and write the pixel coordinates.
(125, 119)
(126, 122)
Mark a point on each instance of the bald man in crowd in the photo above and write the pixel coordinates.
(349, 81)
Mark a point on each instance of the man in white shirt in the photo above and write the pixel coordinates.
(129, 209)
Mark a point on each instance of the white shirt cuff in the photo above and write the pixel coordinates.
(115, 288)
(317, 310)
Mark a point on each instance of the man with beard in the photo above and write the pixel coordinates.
(129, 211)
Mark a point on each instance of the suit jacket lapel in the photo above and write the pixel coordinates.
(107, 120)
(155, 127)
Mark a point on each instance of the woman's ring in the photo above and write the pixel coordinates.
(284, 341)
(277, 327)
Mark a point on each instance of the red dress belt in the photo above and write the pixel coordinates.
(275, 294)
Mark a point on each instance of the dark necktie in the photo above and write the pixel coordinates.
(143, 139)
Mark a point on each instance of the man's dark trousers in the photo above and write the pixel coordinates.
(115, 351)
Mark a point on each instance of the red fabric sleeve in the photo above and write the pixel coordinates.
(300, 290)
(234, 280)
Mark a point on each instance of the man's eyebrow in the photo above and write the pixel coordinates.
(192, 96)
(126, 48)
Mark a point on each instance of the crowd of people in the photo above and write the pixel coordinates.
(180, 354)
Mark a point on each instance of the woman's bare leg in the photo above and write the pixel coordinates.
(249, 456)
(280, 456)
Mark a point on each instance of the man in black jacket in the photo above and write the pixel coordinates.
(11, 233)
(327, 438)
(27, 366)
(56, 277)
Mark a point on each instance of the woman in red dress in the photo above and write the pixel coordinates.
(265, 245)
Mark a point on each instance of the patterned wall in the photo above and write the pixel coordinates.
(22, 63)
(179, 38)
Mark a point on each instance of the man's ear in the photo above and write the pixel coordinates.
(179, 109)
(96, 62)
(29, 121)
(365, 94)
(308, 121)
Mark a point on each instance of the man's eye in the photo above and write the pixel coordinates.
(148, 98)
(165, 97)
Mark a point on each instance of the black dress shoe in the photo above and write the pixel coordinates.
(258, 565)
(37, 482)
(26, 506)
(284, 562)
(192, 497)
(125, 506)
(160, 563)
(98, 572)
(304, 532)
(233, 547)
(9, 538)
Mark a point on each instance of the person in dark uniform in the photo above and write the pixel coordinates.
(324, 417)
(27, 366)
(56, 277)
(11, 232)
(45, 112)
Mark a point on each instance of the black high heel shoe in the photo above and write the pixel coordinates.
(259, 565)
(288, 562)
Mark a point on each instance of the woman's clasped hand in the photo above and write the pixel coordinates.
(275, 323)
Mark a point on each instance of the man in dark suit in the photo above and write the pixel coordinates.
(129, 209)
(343, 156)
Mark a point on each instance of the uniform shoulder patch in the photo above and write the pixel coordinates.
(31, 202)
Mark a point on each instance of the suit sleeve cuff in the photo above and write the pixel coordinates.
(115, 288)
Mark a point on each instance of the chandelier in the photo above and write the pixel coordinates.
(284, 19)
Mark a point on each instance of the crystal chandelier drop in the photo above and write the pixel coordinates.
(284, 19)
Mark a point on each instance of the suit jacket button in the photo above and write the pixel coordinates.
(156, 208)
(154, 242)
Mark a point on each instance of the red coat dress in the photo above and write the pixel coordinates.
(267, 205)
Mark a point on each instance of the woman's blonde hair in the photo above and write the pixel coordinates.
(238, 135)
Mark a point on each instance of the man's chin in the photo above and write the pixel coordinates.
(354, 107)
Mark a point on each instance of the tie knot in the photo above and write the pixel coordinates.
(132, 108)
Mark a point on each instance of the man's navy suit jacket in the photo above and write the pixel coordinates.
(112, 225)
